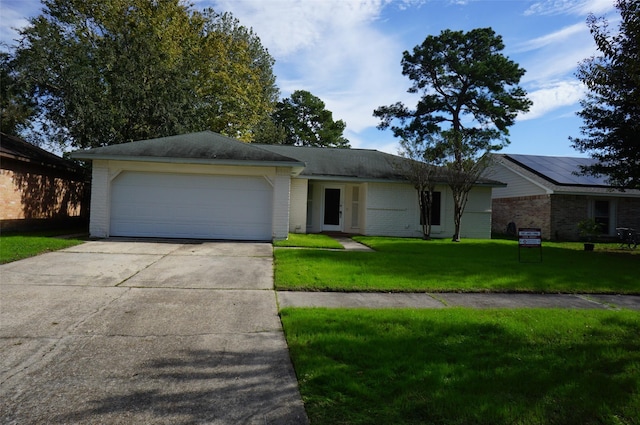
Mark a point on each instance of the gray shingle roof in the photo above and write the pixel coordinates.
(364, 164)
(204, 146)
(353, 164)
(213, 148)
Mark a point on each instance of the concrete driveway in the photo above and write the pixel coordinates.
(126, 331)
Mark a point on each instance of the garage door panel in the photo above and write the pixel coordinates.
(191, 206)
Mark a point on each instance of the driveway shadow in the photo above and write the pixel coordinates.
(247, 380)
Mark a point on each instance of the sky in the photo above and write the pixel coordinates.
(348, 53)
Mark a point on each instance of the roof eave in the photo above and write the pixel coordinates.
(59, 165)
(596, 191)
(351, 178)
(383, 180)
(169, 160)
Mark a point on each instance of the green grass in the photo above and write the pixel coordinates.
(460, 366)
(309, 241)
(17, 247)
(414, 265)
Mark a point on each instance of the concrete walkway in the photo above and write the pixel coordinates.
(351, 245)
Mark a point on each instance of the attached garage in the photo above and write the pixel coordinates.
(193, 186)
(191, 206)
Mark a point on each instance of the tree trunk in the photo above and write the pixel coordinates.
(425, 199)
(457, 219)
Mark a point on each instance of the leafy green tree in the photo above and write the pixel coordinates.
(304, 121)
(112, 71)
(611, 108)
(235, 77)
(269, 133)
(16, 104)
(469, 97)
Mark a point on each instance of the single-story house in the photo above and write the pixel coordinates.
(205, 185)
(549, 193)
(37, 188)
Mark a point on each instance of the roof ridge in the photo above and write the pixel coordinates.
(317, 147)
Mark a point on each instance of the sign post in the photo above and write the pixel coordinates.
(529, 237)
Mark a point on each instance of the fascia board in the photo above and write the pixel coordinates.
(598, 191)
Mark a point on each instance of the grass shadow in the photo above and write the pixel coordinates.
(461, 367)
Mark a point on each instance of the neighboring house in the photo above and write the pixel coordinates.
(547, 192)
(37, 188)
(205, 185)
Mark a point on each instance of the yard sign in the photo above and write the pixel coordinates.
(529, 237)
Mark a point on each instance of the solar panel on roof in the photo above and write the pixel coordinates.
(560, 169)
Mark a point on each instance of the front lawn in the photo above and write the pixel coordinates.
(17, 247)
(460, 366)
(414, 265)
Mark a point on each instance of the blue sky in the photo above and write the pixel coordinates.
(348, 52)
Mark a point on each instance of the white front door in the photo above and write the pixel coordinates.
(332, 197)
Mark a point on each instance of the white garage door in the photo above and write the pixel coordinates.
(191, 206)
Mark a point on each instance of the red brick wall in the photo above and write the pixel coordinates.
(524, 211)
(557, 215)
(629, 213)
(567, 211)
(27, 195)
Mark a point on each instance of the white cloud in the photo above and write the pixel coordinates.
(572, 7)
(553, 96)
(555, 63)
(15, 14)
(551, 62)
(332, 49)
(555, 38)
(350, 72)
(288, 26)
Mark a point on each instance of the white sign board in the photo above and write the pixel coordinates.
(529, 237)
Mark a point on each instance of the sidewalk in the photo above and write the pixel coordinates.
(446, 300)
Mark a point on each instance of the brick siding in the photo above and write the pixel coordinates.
(557, 215)
(628, 213)
(28, 195)
(524, 211)
(567, 211)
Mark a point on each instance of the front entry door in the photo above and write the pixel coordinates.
(332, 219)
